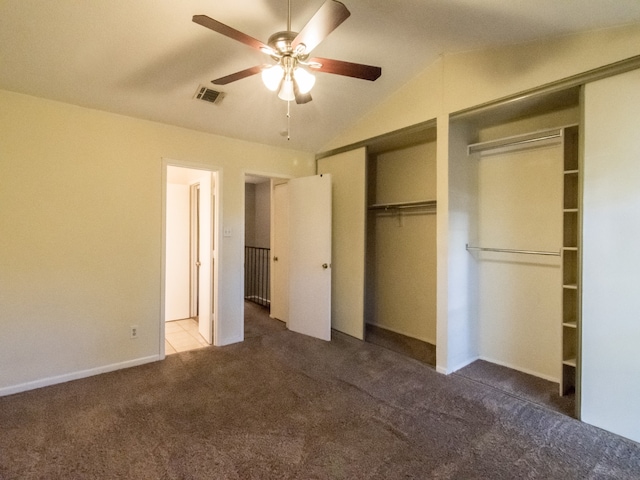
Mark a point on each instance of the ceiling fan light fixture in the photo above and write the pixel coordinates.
(304, 79)
(272, 77)
(286, 92)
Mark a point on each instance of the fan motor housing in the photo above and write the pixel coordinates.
(281, 41)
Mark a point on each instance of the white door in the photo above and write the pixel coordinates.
(280, 254)
(205, 294)
(610, 328)
(348, 176)
(310, 256)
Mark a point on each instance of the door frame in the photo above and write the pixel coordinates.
(216, 237)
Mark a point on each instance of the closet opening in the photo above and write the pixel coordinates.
(400, 290)
(518, 166)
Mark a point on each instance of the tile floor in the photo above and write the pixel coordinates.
(181, 336)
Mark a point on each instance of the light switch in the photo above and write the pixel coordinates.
(227, 231)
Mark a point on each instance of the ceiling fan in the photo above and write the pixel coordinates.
(290, 50)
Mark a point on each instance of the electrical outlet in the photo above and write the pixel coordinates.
(134, 331)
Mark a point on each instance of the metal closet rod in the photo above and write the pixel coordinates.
(403, 205)
(508, 250)
(515, 141)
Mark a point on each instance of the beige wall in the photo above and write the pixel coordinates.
(464, 80)
(250, 215)
(81, 244)
(403, 247)
(263, 214)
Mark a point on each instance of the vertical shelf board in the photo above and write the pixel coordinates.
(570, 261)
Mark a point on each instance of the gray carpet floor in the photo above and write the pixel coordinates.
(412, 347)
(281, 405)
(507, 380)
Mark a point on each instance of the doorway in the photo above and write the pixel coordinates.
(257, 240)
(190, 229)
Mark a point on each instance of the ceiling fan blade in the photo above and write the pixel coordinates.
(330, 15)
(348, 69)
(227, 31)
(238, 75)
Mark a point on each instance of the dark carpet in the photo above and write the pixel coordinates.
(528, 387)
(281, 405)
(513, 382)
(412, 347)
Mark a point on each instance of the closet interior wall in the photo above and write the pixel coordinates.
(401, 241)
(514, 299)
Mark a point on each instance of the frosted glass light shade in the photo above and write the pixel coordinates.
(304, 79)
(272, 76)
(286, 91)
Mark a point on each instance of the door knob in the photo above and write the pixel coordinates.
(325, 266)
(198, 264)
(275, 259)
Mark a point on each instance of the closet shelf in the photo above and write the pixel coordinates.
(403, 205)
(571, 362)
(570, 249)
(570, 210)
(570, 324)
(572, 286)
(571, 172)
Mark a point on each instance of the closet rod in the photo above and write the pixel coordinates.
(390, 206)
(516, 141)
(508, 250)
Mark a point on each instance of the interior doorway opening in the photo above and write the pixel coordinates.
(257, 240)
(190, 253)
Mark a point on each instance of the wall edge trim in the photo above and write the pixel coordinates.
(67, 377)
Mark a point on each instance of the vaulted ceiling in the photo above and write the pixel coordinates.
(146, 58)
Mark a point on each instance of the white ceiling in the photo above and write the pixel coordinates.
(146, 58)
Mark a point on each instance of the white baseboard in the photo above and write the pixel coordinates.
(448, 371)
(229, 341)
(520, 369)
(45, 382)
